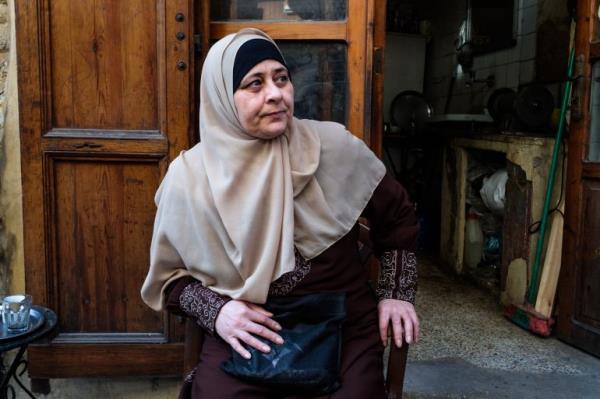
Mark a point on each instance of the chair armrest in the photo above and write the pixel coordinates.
(194, 338)
(394, 381)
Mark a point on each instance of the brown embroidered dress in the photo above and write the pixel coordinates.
(394, 231)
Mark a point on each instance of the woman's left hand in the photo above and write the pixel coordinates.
(403, 319)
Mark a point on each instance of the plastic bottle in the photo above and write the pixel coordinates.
(473, 241)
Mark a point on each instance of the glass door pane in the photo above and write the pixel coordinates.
(278, 10)
(319, 75)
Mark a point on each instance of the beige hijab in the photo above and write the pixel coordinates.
(232, 209)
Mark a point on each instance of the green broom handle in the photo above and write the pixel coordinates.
(533, 284)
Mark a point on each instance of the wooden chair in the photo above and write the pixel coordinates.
(396, 365)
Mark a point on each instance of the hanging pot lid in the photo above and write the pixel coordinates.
(409, 111)
(500, 104)
(534, 105)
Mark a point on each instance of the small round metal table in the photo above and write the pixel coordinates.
(41, 327)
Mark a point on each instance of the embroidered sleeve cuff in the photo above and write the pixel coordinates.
(203, 304)
(288, 281)
(397, 276)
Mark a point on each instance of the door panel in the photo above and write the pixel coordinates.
(588, 294)
(579, 283)
(102, 221)
(106, 97)
(100, 79)
(115, 360)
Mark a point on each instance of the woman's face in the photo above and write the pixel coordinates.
(265, 100)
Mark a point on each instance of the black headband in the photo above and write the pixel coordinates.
(251, 53)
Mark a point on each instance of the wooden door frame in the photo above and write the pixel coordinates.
(105, 354)
(587, 50)
(360, 37)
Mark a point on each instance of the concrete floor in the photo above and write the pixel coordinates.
(469, 350)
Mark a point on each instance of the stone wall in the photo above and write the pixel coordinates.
(9, 165)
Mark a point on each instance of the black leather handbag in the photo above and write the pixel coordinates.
(308, 362)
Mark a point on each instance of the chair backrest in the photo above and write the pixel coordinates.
(396, 365)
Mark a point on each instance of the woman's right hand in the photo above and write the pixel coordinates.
(240, 321)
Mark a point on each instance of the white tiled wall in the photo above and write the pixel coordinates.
(511, 67)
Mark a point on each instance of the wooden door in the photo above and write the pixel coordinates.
(579, 296)
(107, 98)
(106, 94)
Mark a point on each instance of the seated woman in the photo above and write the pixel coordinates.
(267, 206)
